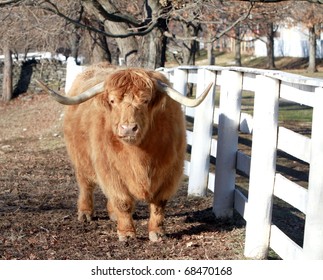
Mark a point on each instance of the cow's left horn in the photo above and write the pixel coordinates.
(189, 102)
(73, 100)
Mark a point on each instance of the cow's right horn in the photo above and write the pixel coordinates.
(73, 100)
(177, 96)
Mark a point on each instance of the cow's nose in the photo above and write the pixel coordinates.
(129, 129)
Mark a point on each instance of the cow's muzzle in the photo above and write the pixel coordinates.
(128, 132)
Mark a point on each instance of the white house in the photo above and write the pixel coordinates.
(291, 41)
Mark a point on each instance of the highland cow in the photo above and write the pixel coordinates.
(125, 133)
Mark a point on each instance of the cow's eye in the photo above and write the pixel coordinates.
(111, 101)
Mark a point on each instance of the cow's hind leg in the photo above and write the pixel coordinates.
(85, 199)
(121, 210)
(156, 220)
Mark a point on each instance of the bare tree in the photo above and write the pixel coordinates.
(233, 13)
(134, 33)
(311, 15)
(25, 27)
(7, 75)
(137, 26)
(148, 24)
(263, 22)
(214, 19)
(267, 17)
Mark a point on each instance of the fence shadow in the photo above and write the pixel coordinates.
(204, 221)
(24, 78)
(288, 219)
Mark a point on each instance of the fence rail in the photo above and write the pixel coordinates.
(269, 87)
(267, 137)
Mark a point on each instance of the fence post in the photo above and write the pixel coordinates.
(262, 168)
(72, 70)
(313, 233)
(180, 81)
(229, 117)
(202, 134)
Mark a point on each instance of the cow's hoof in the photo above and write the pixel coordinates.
(156, 236)
(85, 216)
(125, 236)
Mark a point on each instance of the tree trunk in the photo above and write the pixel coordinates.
(237, 46)
(75, 45)
(99, 49)
(152, 53)
(190, 47)
(312, 50)
(270, 46)
(133, 49)
(99, 54)
(128, 47)
(7, 90)
(210, 54)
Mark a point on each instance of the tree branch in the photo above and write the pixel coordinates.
(54, 9)
(115, 16)
(9, 2)
(242, 18)
(216, 37)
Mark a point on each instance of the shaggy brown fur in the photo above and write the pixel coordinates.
(129, 140)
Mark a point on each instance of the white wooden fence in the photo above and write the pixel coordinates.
(267, 137)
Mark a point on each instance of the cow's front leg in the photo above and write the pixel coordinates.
(85, 199)
(121, 210)
(156, 220)
(111, 212)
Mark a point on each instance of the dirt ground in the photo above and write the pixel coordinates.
(38, 194)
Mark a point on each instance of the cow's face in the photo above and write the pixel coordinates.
(132, 99)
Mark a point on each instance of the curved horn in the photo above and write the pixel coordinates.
(74, 100)
(189, 102)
